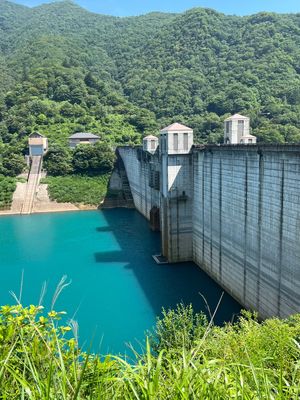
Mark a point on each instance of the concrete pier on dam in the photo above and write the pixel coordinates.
(232, 209)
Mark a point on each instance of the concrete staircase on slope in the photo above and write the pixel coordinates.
(33, 181)
(126, 188)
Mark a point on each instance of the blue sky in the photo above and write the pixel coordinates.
(136, 7)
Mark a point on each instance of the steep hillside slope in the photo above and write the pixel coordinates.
(63, 68)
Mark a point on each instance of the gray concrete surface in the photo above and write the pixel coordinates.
(233, 210)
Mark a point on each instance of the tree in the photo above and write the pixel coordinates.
(12, 164)
(58, 161)
(62, 93)
(132, 77)
(98, 158)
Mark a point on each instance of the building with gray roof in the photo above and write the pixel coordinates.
(82, 138)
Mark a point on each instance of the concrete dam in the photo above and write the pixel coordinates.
(233, 209)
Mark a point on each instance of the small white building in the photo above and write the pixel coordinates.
(176, 139)
(248, 139)
(150, 143)
(38, 144)
(237, 130)
(82, 138)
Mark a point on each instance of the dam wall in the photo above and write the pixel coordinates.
(246, 223)
(152, 187)
(139, 172)
(232, 209)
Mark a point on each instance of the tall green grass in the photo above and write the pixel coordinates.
(185, 358)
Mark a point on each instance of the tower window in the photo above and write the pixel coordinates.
(240, 127)
(175, 141)
(228, 125)
(185, 141)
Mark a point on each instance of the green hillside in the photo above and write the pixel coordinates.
(64, 69)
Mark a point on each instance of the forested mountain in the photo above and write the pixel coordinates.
(64, 69)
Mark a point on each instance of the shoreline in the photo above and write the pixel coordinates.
(50, 211)
(69, 207)
(42, 203)
(91, 208)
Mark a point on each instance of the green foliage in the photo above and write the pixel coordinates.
(63, 69)
(81, 189)
(178, 329)
(89, 160)
(7, 188)
(41, 103)
(248, 360)
(98, 158)
(11, 163)
(20, 179)
(58, 161)
(37, 359)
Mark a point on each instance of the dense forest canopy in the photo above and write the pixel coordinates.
(64, 69)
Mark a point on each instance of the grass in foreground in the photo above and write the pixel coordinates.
(7, 188)
(191, 359)
(77, 188)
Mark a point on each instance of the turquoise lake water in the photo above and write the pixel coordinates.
(117, 289)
